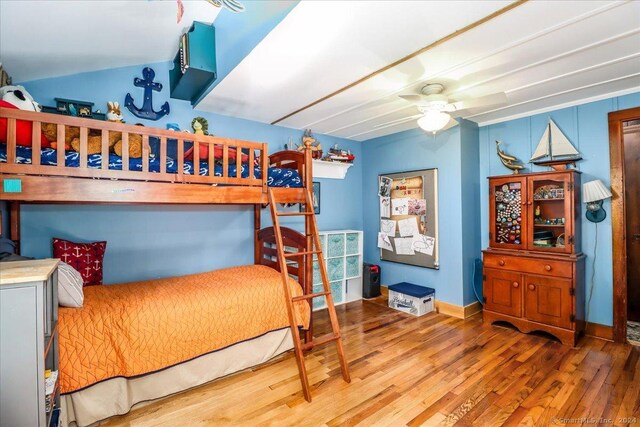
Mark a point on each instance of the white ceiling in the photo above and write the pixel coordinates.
(41, 39)
(542, 54)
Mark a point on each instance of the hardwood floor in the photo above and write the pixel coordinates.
(432, 370)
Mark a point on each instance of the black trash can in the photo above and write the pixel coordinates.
(370, 280)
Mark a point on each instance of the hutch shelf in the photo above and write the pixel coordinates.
(534, 267)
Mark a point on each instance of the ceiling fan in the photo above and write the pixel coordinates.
(438, 111)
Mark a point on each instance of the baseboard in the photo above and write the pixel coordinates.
(461, 312)
(599, 331)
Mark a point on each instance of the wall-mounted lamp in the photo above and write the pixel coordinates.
(593, 194)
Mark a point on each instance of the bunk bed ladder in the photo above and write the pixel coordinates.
(311, 227)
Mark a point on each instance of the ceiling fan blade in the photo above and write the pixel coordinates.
(492, 100)
(398, 121)
(414, 99)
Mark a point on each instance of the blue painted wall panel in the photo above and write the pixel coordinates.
(470, 204)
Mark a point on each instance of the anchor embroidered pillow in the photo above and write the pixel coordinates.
(84, 257)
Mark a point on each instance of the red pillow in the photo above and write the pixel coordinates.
(23, 130)
(217, 153)
(84, 257)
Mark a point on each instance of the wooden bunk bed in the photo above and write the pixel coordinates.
(232, 172)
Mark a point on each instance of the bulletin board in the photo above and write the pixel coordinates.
(408, 230)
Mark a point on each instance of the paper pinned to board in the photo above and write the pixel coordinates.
(388, 226)
(424, 244)
(385, 207)
(384, 242)
(408, 227)
(417, 207)
(384, 189)
(404, 245)
(400, 206)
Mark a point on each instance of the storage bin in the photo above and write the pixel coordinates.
(335, 245)
(337, 290)
(335, 269)
(353, 243)
(412, 299)
(353, 266)
(320, 301)
(317, 275)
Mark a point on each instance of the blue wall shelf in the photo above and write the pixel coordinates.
(194, 66)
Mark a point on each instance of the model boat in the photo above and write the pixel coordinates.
(554, 149)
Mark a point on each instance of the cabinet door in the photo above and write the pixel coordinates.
(503, 292)
(548, 300)
(550, 211)
(508, 222)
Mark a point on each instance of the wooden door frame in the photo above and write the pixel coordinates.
(618, 225)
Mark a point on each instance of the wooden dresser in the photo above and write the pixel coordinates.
(534, 268)
(28, 341)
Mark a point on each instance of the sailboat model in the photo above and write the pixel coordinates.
(554, 149)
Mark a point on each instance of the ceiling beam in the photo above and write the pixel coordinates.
(408, 57)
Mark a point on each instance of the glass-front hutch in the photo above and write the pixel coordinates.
(533, 269)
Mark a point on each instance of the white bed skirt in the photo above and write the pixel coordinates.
(118, 396)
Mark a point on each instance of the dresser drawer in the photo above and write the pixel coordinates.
(529, 265)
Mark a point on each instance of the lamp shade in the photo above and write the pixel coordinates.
(433, 121)
(594, 191)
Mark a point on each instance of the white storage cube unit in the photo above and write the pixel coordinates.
(412, 299)
(342, 251)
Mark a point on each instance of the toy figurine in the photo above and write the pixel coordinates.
(200, 126)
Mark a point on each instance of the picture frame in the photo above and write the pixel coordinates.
(316, 199)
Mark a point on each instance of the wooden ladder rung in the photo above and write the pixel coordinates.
(294, 254)
(310, 296)
(321, 340)
(293, 213)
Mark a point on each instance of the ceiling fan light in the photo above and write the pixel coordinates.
(433, 121)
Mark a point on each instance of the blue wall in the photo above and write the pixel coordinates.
(412, 150)
(470, 202)
(586, 126)
(157, 241)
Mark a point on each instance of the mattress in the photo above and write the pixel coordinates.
(118, 396)
(276, 177)
(134, 329)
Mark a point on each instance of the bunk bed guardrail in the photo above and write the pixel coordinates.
(222, 152)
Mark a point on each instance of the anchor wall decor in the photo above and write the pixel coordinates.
(146, 112)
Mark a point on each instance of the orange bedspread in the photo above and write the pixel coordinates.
(137, 328)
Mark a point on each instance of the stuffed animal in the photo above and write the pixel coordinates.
(50, 132)
(94, 138)
(17, 97)
(200, 126)
(114, 114)
(94, 143)
(135, 146)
